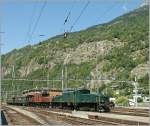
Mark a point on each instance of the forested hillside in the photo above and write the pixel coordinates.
(118, 50)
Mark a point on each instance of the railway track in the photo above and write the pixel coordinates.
(82, 121)
(73, 120)
(48, 116)
(50, 119)
(16, 118)
(50, 109)
(42, 117)
(64, 117)
(132, 109)
(129, 111)
(118, 121)
(105, 120)
(121, 111)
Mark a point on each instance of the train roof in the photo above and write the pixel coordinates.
(74, 90)
(40, 90)
(32, 91)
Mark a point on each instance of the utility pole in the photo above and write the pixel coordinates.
(136, 91)
(0, 67)
(66, 76)
(48, 75)
(13, 76)
(97, 70)
(66, 69)
(62, 83)
(53, 84)
(105, 76)
(42, 35)
(97, 73)
(97, 76)
(0, 59)
(17, 91)
(48, 79)
(6, 96)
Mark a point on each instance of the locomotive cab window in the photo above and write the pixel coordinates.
(45, 93)
(84, 91)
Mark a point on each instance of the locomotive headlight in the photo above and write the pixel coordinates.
(102, 101)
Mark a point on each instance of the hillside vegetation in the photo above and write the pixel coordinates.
(118, 49)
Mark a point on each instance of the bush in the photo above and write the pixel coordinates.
(42, 60)
(122, 100)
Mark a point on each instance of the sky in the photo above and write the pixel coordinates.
(18, 18)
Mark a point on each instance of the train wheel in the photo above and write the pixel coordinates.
(101, 109)
(77, 108)
(107, 109)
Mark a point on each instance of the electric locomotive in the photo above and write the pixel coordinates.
(82, 98)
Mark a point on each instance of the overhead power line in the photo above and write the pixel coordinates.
(67, 18)
(37, 21)
(104, 14)
(69, 13)
(31, 21)
(84, 8)
(41, 80)
(107, 11)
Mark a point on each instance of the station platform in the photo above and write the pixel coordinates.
(85, 114)
(116, 116)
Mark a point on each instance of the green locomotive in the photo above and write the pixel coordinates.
(82, 98)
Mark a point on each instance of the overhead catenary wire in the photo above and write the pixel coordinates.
(31, 22)
(84, 8)
(31, 31)
(68, 14)
(106, 12)
(45, 80)
(67, 17)
(37, 21)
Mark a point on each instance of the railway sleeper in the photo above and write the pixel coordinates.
(120, 121)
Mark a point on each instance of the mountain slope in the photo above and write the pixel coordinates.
(117, 49)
